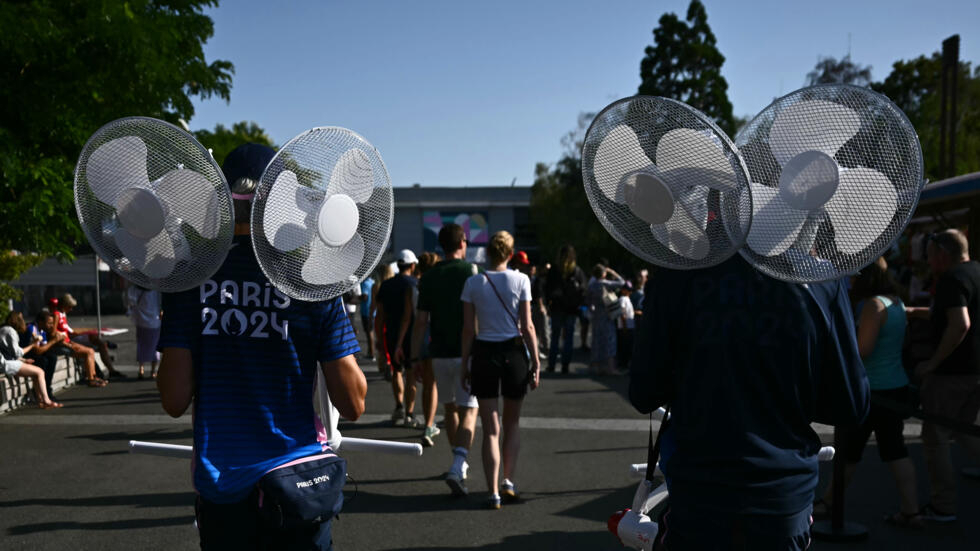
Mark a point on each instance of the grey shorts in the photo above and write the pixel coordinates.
(449, 382)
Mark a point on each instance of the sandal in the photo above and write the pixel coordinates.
(97, 382)
(905, 520)
(52, 405)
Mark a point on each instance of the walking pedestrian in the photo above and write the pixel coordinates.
(498, 301)
(145, 308)
(564, 293)
(441, 309)
(253, 413)
(951, 376)
(880, 337)
(396, 314)
(603, 297)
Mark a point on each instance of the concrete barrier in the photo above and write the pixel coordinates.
(18, 392)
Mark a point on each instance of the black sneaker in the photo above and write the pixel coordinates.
(928, 512)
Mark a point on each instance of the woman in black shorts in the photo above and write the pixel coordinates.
(494, 362)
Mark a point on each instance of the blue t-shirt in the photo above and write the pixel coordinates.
(255, 354)
(366, 287)
(747, 363)
(884, 364)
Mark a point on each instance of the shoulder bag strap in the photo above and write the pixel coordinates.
(502, 303)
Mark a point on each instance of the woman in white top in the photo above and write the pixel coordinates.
(495, 362)
(144, 306)
(13, 363)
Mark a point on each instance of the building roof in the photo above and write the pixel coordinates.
(956, 188)
(482, 196)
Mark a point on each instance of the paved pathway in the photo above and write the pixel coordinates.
(67, 480)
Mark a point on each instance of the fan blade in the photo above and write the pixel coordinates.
(696, 157)
(353, 176)
(115, 166)
(153, 257)
(618, 153)
(287, 210)
(328, 265)
(775, 225)
(684, 232)
(190, 196)
(857, 220)
(815, 125)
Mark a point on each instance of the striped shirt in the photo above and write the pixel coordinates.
(255, 353)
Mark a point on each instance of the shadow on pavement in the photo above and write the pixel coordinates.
(101, 525)
(152, 436)
(370, 502)
(176, 499)
(544, 540)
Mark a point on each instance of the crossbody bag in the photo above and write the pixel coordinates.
(527, 353)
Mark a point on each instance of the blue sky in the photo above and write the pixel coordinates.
(475, 93)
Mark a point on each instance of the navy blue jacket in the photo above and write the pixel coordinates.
(747, 362)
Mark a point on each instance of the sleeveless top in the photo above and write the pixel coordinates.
(884, 364)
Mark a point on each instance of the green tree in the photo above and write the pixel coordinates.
(222, 140)
(843, 71)
(915, 86)
(67, 68)
(684, 64)
(561, 212)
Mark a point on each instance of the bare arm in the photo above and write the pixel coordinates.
(346, 386)
(531, 340)
(175, 380)
(917, 312)
(418, 332)
(403, 328)
(873, 316)
(957, 325)
(43, 348)
(466, 345)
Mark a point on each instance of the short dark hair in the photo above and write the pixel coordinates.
(952, 241)
(42, 315)
(873, 280)
(451, 238)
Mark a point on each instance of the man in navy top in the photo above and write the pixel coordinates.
(746, 363)
(247, 356)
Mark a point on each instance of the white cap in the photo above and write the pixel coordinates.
(406, 256)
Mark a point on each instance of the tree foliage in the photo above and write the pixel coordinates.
(685, 64)
(916, 86)
(222, 140)
(67, 68)
(561, 212)
(843, 71)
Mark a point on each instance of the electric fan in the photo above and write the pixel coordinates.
(836, 173)
(153, 202)
(666, 182)
(322, 214)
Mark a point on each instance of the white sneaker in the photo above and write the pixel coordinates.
(455, 482)
(429, 438)
(508, 491)
(466, 469)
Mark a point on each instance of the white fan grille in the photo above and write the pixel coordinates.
(312, 157)
(703, 171)
(193, 257)
(864, 133)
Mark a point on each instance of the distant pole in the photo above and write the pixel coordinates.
(947, 108)
(98, 300)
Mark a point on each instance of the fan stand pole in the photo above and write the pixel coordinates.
(98, 300)
(837, 529)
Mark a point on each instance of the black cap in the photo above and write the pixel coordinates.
(246, 162)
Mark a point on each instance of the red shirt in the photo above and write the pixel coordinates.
(61, 324)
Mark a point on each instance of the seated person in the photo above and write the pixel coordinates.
(82, 337)
(14, 363)
(53, 342)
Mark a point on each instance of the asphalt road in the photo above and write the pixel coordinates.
(67, 480)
